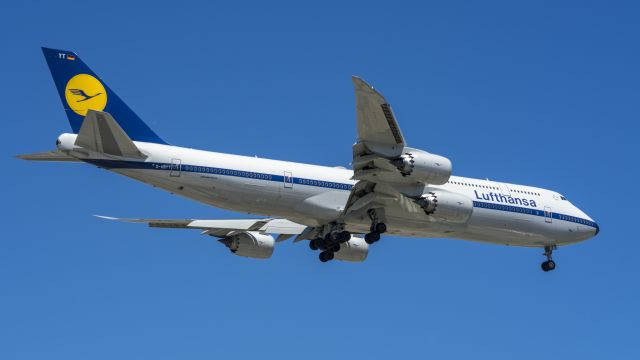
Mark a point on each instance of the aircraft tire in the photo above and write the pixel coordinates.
(371, 237)
(344, 236)
(548, 265)
(381, 228)
(326, 256)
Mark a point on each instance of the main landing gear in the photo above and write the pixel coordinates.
(330, 244)
(549, 264)
(335, 235)
(374, 234)
(377, 228)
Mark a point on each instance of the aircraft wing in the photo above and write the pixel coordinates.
(380, 145)
(222, 228)
(379, 139)
(376, 123)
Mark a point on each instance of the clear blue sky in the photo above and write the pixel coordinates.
(543, 93)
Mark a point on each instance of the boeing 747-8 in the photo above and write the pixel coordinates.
(392, 189)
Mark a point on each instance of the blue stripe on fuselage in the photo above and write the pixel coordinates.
(534, 212)
(120, 164)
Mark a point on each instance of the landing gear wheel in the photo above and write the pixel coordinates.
(344, 236)
(335, 248)
(330, 237)
(319, 243)
(548, 265)
(313, 245)
(371, 237)
(380, 228)
(326, 256)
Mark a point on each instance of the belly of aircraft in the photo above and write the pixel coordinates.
(268, 199)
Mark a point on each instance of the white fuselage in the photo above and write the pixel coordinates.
(502, 213)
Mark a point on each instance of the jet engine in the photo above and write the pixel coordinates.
(354, 250)
(423, 166)
(251, 244)
(447, 206)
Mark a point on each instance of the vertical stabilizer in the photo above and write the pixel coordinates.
(81, 90)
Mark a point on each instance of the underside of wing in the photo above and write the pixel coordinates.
(222, 228)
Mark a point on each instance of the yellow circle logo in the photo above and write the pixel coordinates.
(84, 92)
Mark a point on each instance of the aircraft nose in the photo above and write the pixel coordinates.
(587, 228)
(592, 227)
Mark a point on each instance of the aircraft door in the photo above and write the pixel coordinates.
(548, 214)
(176, 168)
(504, 189)
(288, 180)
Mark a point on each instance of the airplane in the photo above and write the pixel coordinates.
(392, 189)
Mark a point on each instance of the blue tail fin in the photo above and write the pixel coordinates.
(81, 90)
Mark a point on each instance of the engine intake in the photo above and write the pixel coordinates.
(251, 244)
(424, 167)
(447, 206)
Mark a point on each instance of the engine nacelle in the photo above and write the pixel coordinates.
(424, 167)
(250, 244)
(354, 250)
(447, 206)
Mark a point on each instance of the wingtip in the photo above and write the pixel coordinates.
(357, 79)
(360, 83)
(106, 217)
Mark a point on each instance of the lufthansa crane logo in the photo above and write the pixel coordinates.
(84, 92)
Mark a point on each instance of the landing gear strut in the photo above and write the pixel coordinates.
(549, 264)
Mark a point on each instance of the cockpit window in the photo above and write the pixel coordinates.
(563, 198)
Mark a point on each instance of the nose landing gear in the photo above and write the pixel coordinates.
(549, 264)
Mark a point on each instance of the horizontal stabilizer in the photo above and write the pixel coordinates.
(101, 133)
(48, 156)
